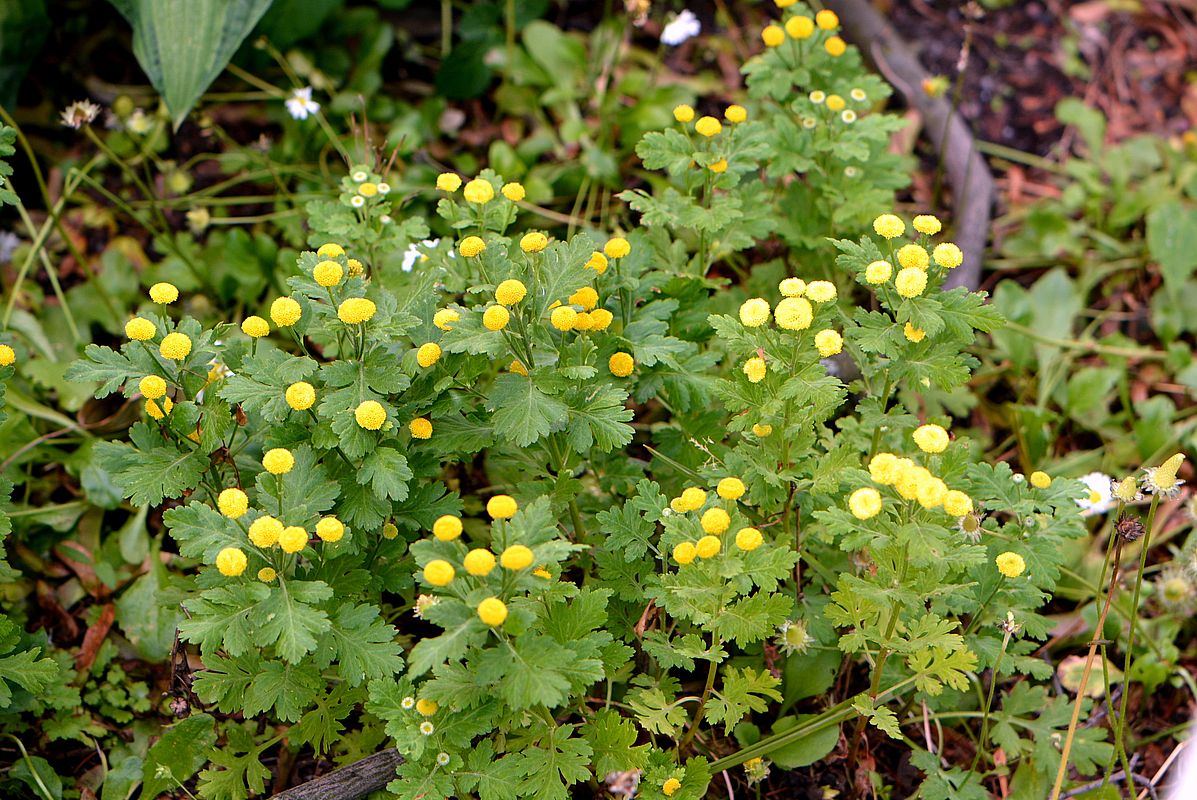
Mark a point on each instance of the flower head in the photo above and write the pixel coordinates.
(948, 255)
(479, 562)
(151, 387)
(510, 292)
(820, 291)
(330, 250)
(931, 438)
(471, 246)
(730, 488)
(428, 354)
(957, 503)
(913, 334)
(370, 415)
(911, 282)
(427, 728)
(683, 113)
(1162, 480)
(534, 242)
(912, 255)
(708, 546)
(516, 557)
(278, 461)
(356, 310)
(835, 46)
(492, 611)
(231, 561)
(79, 113)
(793, 638)
(617, 247)
(794, 313)
(682, 27)
(293, 539)
(597, 262)
(139, 329)
(164, 293)
(479, 191)
(563, 318)
(755, 312)
(330, 529)
(1010, 564)
(865, 503)
(827, 20)
(829, 343)
(773, 36)
(447, 527)
(513, 192)
(708, 126)
(792, 287)
(621, 364)
(267, 574)
(761, 431)
(927, 224)
(264, 531)
(300, 104)
(426, 707)
(889, 226)
(800, 26)
(495, 318)
(420, 428)
(735, 114)
(502, 506)
(285, 311)
(255, 327)
(233, 503)
(1100, 497)
(670, 786)
(448, 181)
(756, 369)
(878, 272)
(175, 346)
(439, 572)
(444, 318)
(715, 520)
(328, 273)
(748, 539)
(684, 552)
(1040, 480)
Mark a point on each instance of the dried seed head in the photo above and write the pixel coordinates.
(1129, 528)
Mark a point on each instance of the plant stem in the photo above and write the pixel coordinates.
(702, 702)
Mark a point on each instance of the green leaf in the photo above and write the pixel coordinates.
(182, 749)
(285, 689)
(1172, 240)
(742, 691)
(808, 749)
(260, 385)
(26, 670)
(523, 413)
(387, 473)
(559, 762)
(613, 739)
(599, 419)
(153, 468)
(752, 619)
(364, 643)
(183, 45)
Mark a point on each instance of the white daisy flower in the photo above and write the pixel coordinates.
(442, 759)
(300, 104)
(858, 95)
(682, 27)
(1100, 498)
(385, 219)
(792, 637)
(413, 253)
(79, 113)
(357, 201)
(360, 176)
(384, 188)
(427, 728)
(408, 702)
(848, 116)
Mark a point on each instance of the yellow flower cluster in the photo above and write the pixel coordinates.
(911, 481)
(715, 521)
(801, 27)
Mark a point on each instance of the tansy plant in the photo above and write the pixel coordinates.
(544, 511)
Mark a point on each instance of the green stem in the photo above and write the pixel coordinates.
(712, 670)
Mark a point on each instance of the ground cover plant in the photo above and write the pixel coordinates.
(626, 440)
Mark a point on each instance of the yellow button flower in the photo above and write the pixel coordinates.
(586, 297)
(708, 126)
(1010, 564)
(278, 461)
(820, 291)
(883, 468)
(510, 292)
(597, 262)
(889, 226)
(931, 492)
(829, 343)
(285, 311)
(439, 572)
(617, 247)
(138, 329)
(502, 506)
(755, 312)
(492, 611)
(911, 282)
(448, 182)
(957, 503)
(762, 430)
(931, 438)
(479, 562)
(621, 364)
(600, 319)
(1040, 480)
(670, 786)
(715, 520)
(865, 503)
(927, 224)
(444, 319)
(479, 191)
(694, 498)
(735, 114)
(513, 192)
(330, 529)
(255, 327)
(792, 287)
(827, 20)
(708, 547)
(948, 255)
(878, 272)
(835, 102)
(370, 415)
(292, 539)
(719, 167)
(563, 318)
(328, 273)
(264, 531)
(301, 395)
(773, 36)
(356, 310)
(516, 557)
(233, 503)
(164, 293)
(367, 189)
(800, 26)
(420, 428)
(756, 369)
(748, 539)
(533, 242)
(731, 488)
(495, 318)
(684, 553)
(911, 255)
(175, 346)
(426, 708)
(231, 561)
(389, 531)
(151, 387)
(355, 267)
(330, 250)
(471, 246)
(267, 574)
(517, 367)
(428, 354)
(794, 313)
(683, 113)
(447, 527)
(913, 334)
(835, 46)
